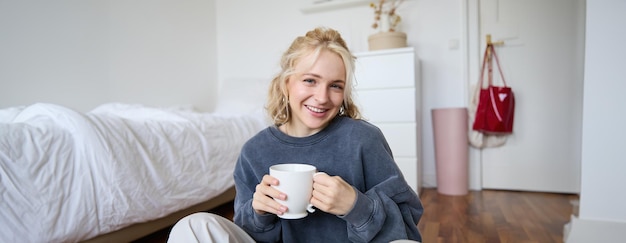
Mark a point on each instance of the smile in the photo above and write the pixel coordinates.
(315, 109)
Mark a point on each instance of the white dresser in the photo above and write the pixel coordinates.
(388, 94)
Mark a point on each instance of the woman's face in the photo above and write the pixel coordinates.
(315, 93)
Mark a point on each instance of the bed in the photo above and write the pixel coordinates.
(115, 173)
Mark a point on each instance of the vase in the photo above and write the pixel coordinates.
(386, 40)
(385, 24)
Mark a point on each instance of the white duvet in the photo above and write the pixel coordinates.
(67, 176)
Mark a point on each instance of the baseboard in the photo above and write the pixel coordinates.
(584, 230)
(430, 181)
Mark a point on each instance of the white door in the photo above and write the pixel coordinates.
(542, 60)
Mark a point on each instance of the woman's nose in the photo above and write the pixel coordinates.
(321, 94)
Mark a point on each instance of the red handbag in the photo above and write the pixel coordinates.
(496, 104)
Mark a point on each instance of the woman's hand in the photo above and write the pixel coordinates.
(332, 194)
(263, 198)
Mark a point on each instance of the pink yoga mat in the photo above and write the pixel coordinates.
(451, 150)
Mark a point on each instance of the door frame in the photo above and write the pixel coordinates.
(470, 53)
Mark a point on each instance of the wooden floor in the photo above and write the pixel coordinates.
(479, 216)
(495, 216)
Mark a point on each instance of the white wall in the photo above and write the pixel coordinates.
(603, 165)
(85, 53)
(53, 51)
(602, 217)
(251, 40)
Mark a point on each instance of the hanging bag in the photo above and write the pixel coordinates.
(496, 104)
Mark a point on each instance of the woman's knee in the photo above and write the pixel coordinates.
(207, 227)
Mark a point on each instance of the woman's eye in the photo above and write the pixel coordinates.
(309, 80)
(336, 86)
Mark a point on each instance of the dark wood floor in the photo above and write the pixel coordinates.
(495, 216)
(479, 216)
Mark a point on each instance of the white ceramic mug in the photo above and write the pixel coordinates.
(296, 181)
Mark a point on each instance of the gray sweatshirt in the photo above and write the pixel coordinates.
(386, 207)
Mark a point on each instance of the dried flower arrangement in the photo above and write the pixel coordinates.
(386, 9)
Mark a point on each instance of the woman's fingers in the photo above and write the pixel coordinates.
(332, 194)
(263, 197)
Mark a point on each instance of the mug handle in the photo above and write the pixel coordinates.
(310, 208)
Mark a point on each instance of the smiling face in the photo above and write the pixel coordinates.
(316, 92)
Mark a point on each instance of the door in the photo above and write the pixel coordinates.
(542, 60)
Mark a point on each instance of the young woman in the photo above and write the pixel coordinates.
(361, 197)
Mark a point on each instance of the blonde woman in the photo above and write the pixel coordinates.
(361, 197)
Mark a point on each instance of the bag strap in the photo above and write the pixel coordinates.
(479, 85)
(487, 64)
(482, 69)
(493, 52)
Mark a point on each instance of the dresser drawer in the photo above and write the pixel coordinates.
(387, 105)
(402, 138)
(385, 71)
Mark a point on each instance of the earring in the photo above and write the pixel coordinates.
(286, 103)
(342, 111)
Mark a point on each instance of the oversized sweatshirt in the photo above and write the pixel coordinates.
(386, 207)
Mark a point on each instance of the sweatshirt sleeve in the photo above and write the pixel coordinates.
(387, 208)
(263, 228)
(383, 216)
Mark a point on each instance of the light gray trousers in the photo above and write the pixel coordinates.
(207, 227)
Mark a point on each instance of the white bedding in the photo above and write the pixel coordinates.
(67, 176)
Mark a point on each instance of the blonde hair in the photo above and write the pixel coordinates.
(314, 41)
